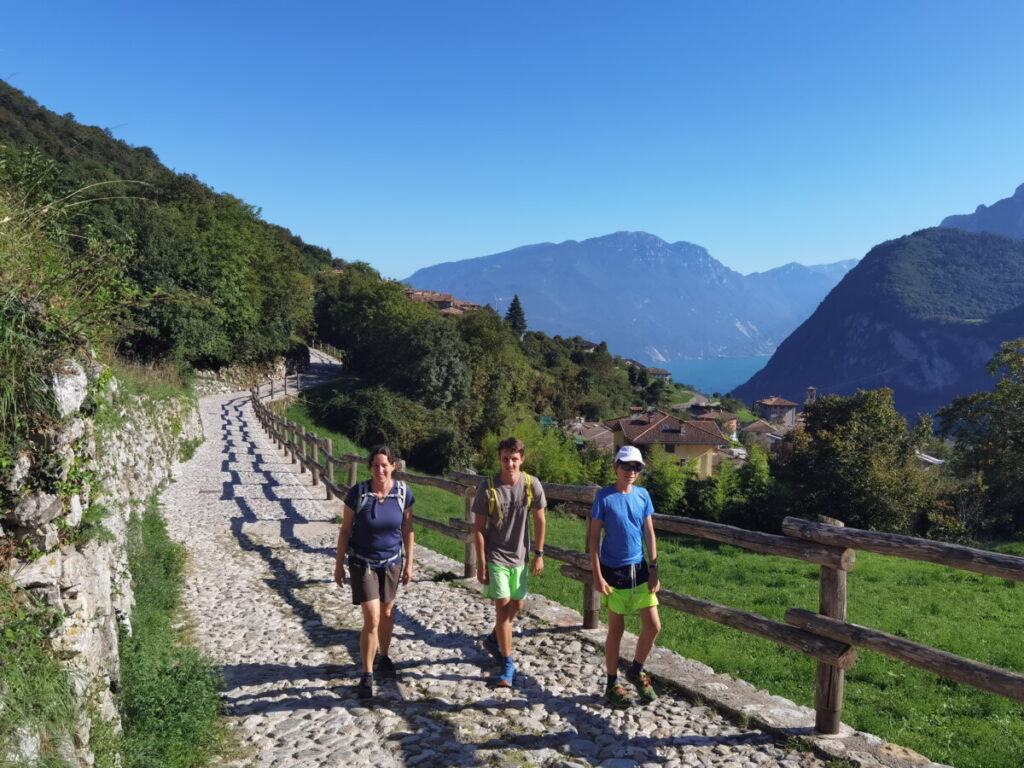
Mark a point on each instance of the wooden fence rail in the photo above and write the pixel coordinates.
(824, 636)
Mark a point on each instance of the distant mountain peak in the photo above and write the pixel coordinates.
(645, 297)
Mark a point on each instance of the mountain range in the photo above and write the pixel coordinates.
(648, 299)
(922, 314)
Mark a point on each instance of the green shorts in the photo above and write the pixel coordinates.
(629, 601)
(505, 581)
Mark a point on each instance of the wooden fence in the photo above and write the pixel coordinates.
(825, 636)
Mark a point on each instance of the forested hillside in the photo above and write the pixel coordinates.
(436, 386)
(208, 282)
(922, 314)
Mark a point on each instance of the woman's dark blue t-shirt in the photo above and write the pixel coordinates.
(377, 530)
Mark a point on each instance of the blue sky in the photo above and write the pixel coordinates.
(411, 133)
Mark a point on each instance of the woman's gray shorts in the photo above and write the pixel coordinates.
(374, 583)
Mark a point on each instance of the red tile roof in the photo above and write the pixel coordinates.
(761, 426)
(776, 401)
(658, 427)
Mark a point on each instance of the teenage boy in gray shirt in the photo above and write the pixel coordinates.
(502, 509)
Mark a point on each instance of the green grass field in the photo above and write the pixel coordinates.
(975, 616)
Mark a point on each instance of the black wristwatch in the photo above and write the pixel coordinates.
(654, 564)
(539, 552)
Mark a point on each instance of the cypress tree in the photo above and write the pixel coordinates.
(515, 317)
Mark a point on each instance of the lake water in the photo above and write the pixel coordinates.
(717, 375)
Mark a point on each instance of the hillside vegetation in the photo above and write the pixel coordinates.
(210, 283)
(434, 385)
(921, 315)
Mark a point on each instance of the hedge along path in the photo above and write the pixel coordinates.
(260, 598)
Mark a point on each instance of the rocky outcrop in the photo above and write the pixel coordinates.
(81, 470)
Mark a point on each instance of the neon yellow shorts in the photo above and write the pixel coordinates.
(629, 601)
(505, 581)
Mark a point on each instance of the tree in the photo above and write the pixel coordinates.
(665, 480)
(856, 461)
(989, 431)
(755, 476)
(515, 317)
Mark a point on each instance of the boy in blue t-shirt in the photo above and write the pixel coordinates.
(628, 583)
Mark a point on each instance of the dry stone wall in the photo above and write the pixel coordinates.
(116, 461)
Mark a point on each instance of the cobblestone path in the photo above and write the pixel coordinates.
(263, 605)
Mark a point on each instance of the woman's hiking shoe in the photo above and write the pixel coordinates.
(490, 642)
(386, 667)
(642, 681)
(365, 688)
(507, 674)
(616, 696)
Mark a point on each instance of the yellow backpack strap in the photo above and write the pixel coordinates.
(529, 492)
(493, 503)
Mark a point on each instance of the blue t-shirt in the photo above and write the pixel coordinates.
(623, 515)
(377, 531)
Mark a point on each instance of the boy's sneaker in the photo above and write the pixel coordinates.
(365, 688)
(386, 667)
(507, 674)
(490, 642)
(617, 697)
(642, 681)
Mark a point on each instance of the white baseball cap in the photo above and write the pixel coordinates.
(628, 453)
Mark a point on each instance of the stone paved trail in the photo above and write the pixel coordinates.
(260, 596)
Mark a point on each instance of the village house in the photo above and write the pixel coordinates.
(761, 433)
(659, 374)
(445, 302)
(688, 440)
(728, 422)
(778, 410)
(594, 431)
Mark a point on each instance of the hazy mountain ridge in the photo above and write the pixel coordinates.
(1005, 217)
(922, 314)
(647, 298)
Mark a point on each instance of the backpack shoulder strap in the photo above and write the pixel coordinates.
(401, 492)
(528, 481)
(494, 509)
(362, 495)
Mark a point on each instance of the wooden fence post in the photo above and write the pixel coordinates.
(591, 599)
(829, 679)
(314, 456)
(329, 466)
(353, 472)
(469, 569)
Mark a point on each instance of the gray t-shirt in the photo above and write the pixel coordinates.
(507, 540)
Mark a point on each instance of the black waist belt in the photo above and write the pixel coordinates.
(626, 576)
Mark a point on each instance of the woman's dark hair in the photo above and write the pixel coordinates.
(384, 451)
